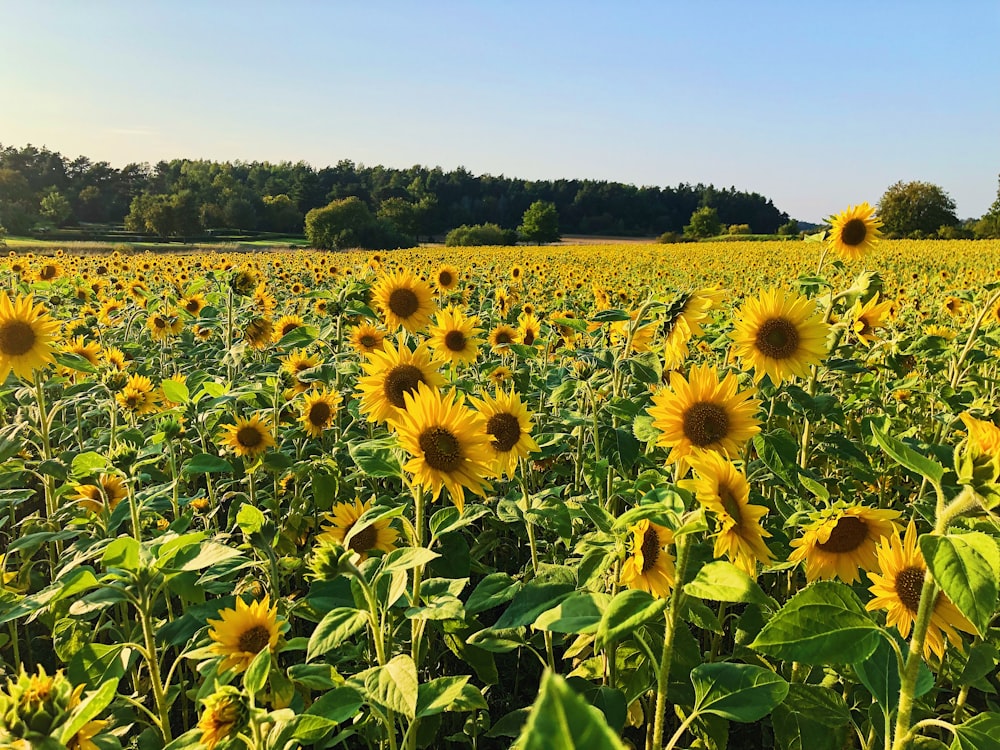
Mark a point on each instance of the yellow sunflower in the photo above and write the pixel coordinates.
(377, 536)
(984, 437)
(193, 304)
(454, 337)
(296, 363)
(841, 540)
(258, 333)
(448, 443)
(508, 423)
(225, 716)
(366, 338)
(248, 437)
(83, 739)
(723, 489)
(642, 336)
(390, 373)
(897, 588)
(502, 336)
(500, 375)
(285, 325)
(137, 396)
(89, 350)
(446, 277)
(682, 322)
(109, 491)
(164, 323)
(649, 567)
(780, 335)
(855, 231)
(703, 413)
(319, 408)
(26, 335)
(242, 633)
(404, 301)
(529, 328)
(869, 317)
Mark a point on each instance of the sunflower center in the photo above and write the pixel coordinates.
(854, 232)
(503, 337)
(49, 272)
(909, 585)
(846, 536)
(705, 423)
(528, 337)
(254, 639)
(441, 448)
(445, 278)
(401, 379)
(288, 328)
(403, 302)
(650, 549)
(319, 413)
(192, 306)
(730, 504)
(777, 338)
(506, 431)
(16, 338)
(367, 340)
(249, 436)
(364, 540)
(455, 341)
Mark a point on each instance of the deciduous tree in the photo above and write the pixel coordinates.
(916, 209)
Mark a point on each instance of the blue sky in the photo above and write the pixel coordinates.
(816, 105)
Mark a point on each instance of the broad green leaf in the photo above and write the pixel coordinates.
(880, 674)
(206, 463)
(175, 391)
(438, 695)
(376, 458)
(74, 362)
(536, 597)
(250, 519)
(979, 733)
(256, 674)
(209, 554)
(407, 558)
(394, 686)
(738, 692)
(722, 581)
(825, 623)
(627, 611)
(123, 553)
(87, 464)
(337, 705)
(561, 720)
(88, 709)
(967, 567)
(811, 717)
(580, 613)
(336, 626)
(906, 456)
(610, 316)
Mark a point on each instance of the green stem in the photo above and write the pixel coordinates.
(159, 696)
(680, 731)
(672, 623)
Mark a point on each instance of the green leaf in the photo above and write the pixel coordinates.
(123, 553)
(610, 316)
(206, 463)
(722, 581)
(336, 627)
(376, 458)
(407, 558)
(494, 590)
(627, 611)
(394, 686)
(250, 519)
(74, 362)
(256, 674)
(438, 695)
(561, 720)
(825, 623)
(88, 464)
(580, 613)
(209, 554)
(906, 456)
(979, 733)
(89, 709)
(880, 674)
(175, 391)
(738, 692)
(535, 598)
(967, 567)
(337, 705)
(811, 717)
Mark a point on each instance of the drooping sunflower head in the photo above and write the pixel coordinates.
(340, 528)
(108, 492)
(842, 540)
(226, 714)
(248, 437)
(855, 231)
(703, 414)
(649, 567)
(780, 335)
(447, 442)
(258, 333)
(404, 300)
(868, 317)
(508, 423)
(391, 373)
(455, 337)
(319, 409)
(241, 633)
(26, 336)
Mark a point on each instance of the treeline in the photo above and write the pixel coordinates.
(183, 197)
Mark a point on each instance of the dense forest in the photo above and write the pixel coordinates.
(43, 189)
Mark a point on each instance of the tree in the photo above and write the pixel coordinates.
(55, 208)
(789, 229)
(540, 223)
(480, 235)
(704, 223)
(348, 223)
(281, 214)
(915, 209)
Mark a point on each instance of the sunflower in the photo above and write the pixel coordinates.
(164, 323)
(855, 231)
(285, 325)
(780, 335)
(263, 301)
(82, 739)
(137, 396)
(723, 489)
(114, 357)
(500, 375)
(248, 437)
(242, 633)
(404, 300)
(649, 567)
(109, 312)
(446, 277)
(642, 336)
(226, 713)
(26, 334)
(703, 413)
(869, 317)
(984, 437)
(529, 327)
(682, 322)
(897, 588)
(453, 336)
(366, 338)
(318, 411)
(108, 492)
(942, 332)
(258, 333)
(508, 423)
(390, 373)
(503, 336)
(193, 304)
(89, 350)
(296, 363)
(50, 271)
(377, 536)
(842, 540)
(448, 443)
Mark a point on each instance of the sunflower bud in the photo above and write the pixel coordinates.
(865, 286)
(124, 456)
(226, 715)
(34, 707)
(170, 426)
(329, 560)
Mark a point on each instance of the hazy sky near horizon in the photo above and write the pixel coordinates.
(816, 105)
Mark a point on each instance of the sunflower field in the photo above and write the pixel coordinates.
(596, 497)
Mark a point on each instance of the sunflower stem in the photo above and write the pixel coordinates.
(145, 618)
(666, 658)
(48, 483)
